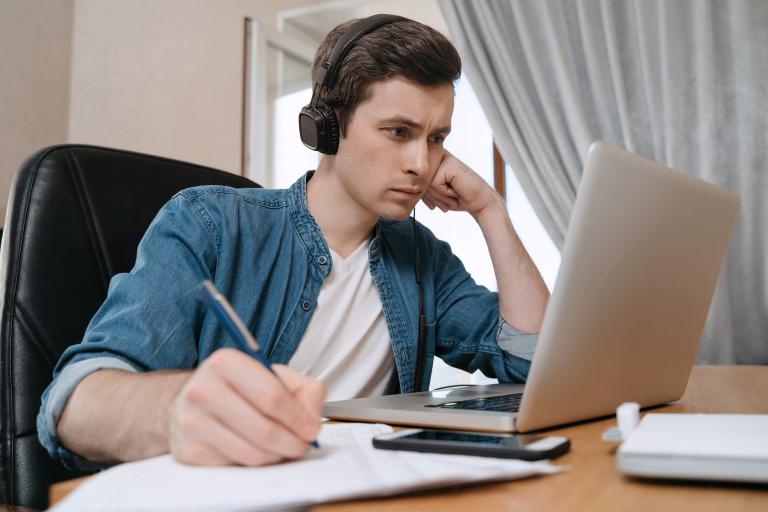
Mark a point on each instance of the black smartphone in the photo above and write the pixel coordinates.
(526, 447)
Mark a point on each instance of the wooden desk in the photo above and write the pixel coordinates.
(593, 483)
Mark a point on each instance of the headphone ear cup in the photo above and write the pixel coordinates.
(319, 128)
(329, 135)
(310, 121)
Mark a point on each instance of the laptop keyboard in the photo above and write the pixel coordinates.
(503, 403)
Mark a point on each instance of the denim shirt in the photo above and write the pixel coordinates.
(265, 252)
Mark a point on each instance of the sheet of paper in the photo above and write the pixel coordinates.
(345, 467)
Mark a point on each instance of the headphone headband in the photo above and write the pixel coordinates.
(328, 72)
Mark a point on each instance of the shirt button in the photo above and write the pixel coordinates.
(322, 260)
(306, 305)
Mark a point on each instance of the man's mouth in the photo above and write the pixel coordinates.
(414, 192)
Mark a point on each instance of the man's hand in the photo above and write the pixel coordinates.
(459, 188)
(523, 295)
(235, 411)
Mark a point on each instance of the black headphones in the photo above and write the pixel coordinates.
(319, 130)
(318, 126)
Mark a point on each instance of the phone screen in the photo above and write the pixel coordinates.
(460, 437)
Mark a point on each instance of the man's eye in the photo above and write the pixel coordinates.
(438, 139)
(398, 132)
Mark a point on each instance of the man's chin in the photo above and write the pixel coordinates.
(395, 216)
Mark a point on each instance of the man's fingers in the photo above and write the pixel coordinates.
(431, 198)
(446, 204)
(199, 454)
(445, 190)
(262, 389)
(309, 392)
(442, 197)
(207, 441)
(229, 407)
(235, 448)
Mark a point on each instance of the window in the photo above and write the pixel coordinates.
(278, 84)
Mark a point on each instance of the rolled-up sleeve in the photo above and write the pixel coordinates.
(56, 397)
(515, 342)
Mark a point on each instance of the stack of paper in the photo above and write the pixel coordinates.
(346, 466)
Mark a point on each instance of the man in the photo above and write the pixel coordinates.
(322, 273)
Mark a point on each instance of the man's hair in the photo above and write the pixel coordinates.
(404, 47)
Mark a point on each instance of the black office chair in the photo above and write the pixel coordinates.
(76, 215)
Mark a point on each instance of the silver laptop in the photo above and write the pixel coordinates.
(641, 259)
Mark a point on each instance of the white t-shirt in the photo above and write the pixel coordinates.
(346, 345)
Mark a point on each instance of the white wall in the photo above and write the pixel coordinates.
(35, 44)
(155, 76)
(315, 21)
(164, 76)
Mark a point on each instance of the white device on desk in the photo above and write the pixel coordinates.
(642, 255)
(722, 447)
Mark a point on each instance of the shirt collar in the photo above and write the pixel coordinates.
(307, 227)
(310, 233)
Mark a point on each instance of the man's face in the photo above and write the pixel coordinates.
(394, 145)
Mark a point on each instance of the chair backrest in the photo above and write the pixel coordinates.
(75, 217)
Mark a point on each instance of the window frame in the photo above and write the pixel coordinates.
(255, 124)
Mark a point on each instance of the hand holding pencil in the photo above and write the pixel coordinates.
(235, 410)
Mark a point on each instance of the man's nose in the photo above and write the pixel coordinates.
(417, 157)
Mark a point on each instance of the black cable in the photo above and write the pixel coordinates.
(422, 318)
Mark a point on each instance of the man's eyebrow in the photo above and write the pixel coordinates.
(413, 124)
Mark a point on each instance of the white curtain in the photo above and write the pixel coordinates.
(683, 82)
